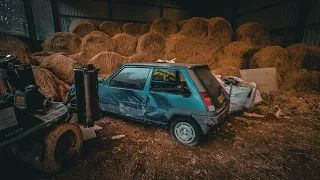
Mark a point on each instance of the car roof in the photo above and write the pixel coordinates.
(178, 65)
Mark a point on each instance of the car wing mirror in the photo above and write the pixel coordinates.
(100, 80)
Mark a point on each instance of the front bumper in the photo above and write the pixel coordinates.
(208, 121)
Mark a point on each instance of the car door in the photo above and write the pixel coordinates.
(125, 93)
(168, 90)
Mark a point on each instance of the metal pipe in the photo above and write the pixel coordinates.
(91, 94)
(81, 103)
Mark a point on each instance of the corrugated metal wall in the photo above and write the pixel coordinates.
(312, 32)
(279, 16)
(120, 11)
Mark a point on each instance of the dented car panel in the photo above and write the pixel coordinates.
(156, 92)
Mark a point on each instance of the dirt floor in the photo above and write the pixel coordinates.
(245, 146)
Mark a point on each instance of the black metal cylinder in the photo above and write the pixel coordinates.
(91, 94)
(81, 103)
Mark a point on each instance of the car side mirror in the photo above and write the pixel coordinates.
(100, 80)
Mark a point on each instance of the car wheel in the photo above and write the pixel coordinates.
(62, 146)
(186, 131)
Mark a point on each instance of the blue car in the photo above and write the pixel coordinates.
(186, 97)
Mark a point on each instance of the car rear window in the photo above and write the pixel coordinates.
(210, 83)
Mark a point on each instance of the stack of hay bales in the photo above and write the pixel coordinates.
(61, 66)
(82, 27)
(131, 29)
(11, 45)
(108, 62)
(272, 56)
(254, 34)
(65, 42)
(93, 44)
(164, 26)
(110, 28)
(125, 44)
(50, 86)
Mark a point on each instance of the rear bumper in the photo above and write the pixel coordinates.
(208, 121)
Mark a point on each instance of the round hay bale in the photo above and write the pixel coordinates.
(253, 33)
(227, 71)
(12, 45)
(50, 86)
(93, 44)
(132, 29)
(108, 62)
(164, 26)
(110, 28)
(61, 66)
(304, 56)
(191, 50)
(151, 42)
(220, 30)
(180, 47)
(237, 62)
(237, 49)
(145, 28)
(125, 44)
(272, 56)
(82, 27)
(40, 56)
(181, 24)
(143, 57)
(62, 42)
(195, 27)
(301, 80)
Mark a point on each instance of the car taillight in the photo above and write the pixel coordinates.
(207, 101)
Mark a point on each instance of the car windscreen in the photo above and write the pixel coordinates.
(210, 83)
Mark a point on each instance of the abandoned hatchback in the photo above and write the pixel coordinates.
(187, 97)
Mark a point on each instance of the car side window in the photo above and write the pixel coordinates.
(131, 78)
(169, 81)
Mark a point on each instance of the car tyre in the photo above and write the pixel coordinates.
(62, 146)
(186, 131)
